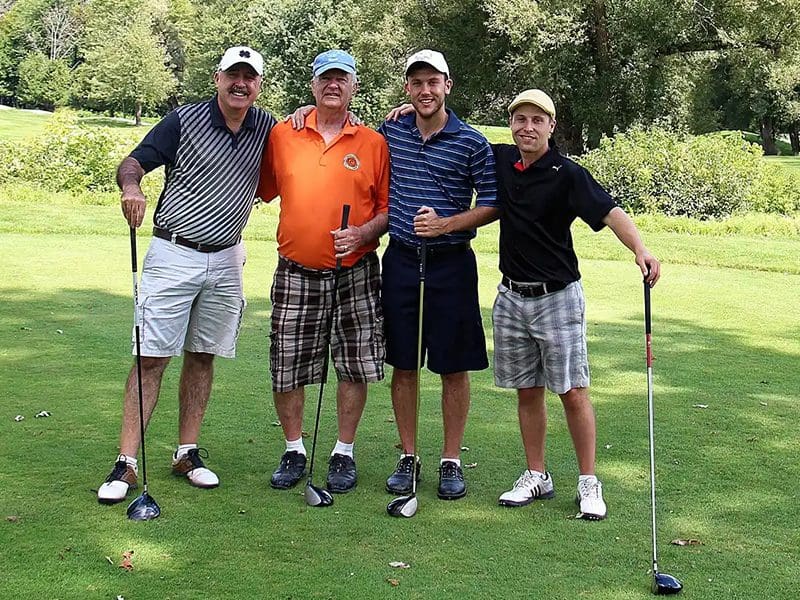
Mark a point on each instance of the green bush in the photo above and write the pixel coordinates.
(69, 157)
(656, 171)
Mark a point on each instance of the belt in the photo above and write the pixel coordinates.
(165, 234)
(431, 250)
(293, 267)
(533, 290)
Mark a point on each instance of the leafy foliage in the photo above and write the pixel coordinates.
(653, 170)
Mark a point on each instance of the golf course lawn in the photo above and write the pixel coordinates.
(726, 342)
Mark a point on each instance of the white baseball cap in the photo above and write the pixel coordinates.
(241, 54)
(429, 57)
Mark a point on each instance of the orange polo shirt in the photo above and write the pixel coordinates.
(314, 181)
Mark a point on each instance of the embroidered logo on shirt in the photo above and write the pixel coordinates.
(351, 162)
(557, 167)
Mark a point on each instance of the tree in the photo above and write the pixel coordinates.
(44, 83)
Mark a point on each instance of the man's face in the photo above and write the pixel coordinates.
(427, 89)
(531, 128)
(334, 89)
(238, 87)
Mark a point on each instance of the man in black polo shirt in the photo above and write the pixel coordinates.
(191, 298)
(539, 321)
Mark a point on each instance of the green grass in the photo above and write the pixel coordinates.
(790, 162)
(21, 124)
(726, 335)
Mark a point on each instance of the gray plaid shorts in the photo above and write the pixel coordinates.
(302, 300)
(540, 341)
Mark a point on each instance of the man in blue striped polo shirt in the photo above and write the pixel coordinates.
(191, 299)
(437, 163)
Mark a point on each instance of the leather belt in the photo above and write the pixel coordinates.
(431, 250)
(165, 234)
(533, 290)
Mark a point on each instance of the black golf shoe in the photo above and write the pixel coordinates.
(399, 482)
(451, 481)
(291, 470)
(342, 475)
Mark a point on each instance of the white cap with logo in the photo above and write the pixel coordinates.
(431, 58)
(241, 54)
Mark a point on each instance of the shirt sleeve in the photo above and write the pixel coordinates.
(267, 182)
(160, 146)
(484, 178)
(382, 200)
(590, 201)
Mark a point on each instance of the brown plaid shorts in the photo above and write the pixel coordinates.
(302, 301)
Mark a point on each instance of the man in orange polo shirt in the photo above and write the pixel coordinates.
(315, 171)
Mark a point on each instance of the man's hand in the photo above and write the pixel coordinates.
(428, 224)
(399, 111)
(651, 268)
(347, 241)
(133, 205)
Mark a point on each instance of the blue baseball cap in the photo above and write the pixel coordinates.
(333, 59)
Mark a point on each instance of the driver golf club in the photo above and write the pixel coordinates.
(316, 496)
(143, 508)
(663, 583)
(406, 506)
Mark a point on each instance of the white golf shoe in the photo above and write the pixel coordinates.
(590, 500)
(528, 488)
(191, 465)
(116, 486)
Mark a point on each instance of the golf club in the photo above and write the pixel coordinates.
(663, 583)
(143, 508)
(316, 496)
(406, 506)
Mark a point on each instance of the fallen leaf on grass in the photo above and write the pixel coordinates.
(120, 598)
(465, 448)
(763, 403)
(689, 542)
(399, 565)
(12, 518)
(304, 434)
(108, 558)
(42, 413)
(126, 561)
(399, 445)
(608, 446)
(394, 582)
(19, 418)
(699, 405)
(389, 420)
(59, 331)
(470, 465)
(25, 329)
(276, 423)
(751, 439)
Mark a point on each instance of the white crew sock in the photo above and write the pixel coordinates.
(342, 448)
(589, 478)
(536, 473)
(130, 460)
(296, 446)
(455, 460)
(183, 449)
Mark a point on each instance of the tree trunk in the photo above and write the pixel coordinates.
(138, 113)
(794, 138)
(768, 136)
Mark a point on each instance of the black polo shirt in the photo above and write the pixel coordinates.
(537, 208)
(211, 173)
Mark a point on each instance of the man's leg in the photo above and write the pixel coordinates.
(581, 424)
(124, 475)
(194, 392)
(404, 403)
(350, 400)
(289, 406)
(455, 407)
(532, 412)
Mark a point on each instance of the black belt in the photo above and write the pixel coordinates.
(431, 250)
(533, 290)
(165, 234)
(293, 267)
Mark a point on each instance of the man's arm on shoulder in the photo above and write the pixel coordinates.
(625, 229)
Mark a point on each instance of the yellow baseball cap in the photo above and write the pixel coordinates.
(535, 97)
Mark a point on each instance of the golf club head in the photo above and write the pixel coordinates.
(317, 496)
(403, 506)
(144, 508)
(665, 584)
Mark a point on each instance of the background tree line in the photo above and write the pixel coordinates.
(691, 65)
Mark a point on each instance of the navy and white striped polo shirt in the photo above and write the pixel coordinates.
(441, 172)
(211, 174)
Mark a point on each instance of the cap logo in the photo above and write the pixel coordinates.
(244, 53)
(351, 162)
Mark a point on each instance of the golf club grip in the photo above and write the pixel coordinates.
(345, 218)
(647, 321)
(423, 258)
(133, 249)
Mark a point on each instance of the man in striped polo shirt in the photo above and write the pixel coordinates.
(437, 162)
(191, 298)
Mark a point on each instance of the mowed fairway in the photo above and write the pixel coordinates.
(727, 346)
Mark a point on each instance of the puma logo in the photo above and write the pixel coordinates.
(556, 167)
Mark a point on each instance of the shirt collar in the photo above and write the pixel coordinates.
(550, 158)
(453, 124)
(311, 123)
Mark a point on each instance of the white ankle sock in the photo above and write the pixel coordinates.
(183, 449)
(342, 448)
(536, 473)
(455, 460)
(129, 459)
(589, 478)
(296, 446)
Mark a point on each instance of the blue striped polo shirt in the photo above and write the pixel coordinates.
(441, 172)
(211, 173)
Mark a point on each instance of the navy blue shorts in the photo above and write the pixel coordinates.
(452, 331)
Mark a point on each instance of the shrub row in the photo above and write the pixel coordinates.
(714, 176)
